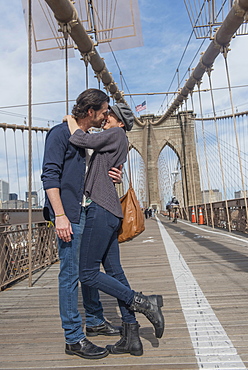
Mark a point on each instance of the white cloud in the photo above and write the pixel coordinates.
(166, 30)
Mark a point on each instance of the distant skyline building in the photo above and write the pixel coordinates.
(34, 199)
(13, 196)
(11, 201)
(240, 194)
(4, 190)
(212, 195)
(14, 204)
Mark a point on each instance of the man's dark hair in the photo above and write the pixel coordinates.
(91, 98)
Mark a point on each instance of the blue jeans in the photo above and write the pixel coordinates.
(100, 245)
(68, 288)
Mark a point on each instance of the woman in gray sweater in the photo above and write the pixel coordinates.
(103, 219)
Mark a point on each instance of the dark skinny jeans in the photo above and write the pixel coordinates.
(100, 245)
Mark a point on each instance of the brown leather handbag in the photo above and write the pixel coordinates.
(133, 222)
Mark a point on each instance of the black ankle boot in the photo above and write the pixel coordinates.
(130, 341)
(84, 348)
(150, 307)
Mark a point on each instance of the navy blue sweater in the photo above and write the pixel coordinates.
(64, 168)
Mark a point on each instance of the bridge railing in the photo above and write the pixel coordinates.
(217, 215)
(14, 250)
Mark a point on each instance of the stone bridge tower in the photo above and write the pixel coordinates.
(149, 136)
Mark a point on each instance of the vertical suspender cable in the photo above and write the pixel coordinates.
(199, 162)
(140, 180)
(25, 160)
(194, 190)
(191, 186)
(30, 141)
(184, 177)
(6, 154)
(38, 150)
(132, 161)
(135, 169)
(235, 130)
(17, 167)
(131, 157)
(33, 170)
(66, 74)
(144, 182)
(219, 151)
(86, 76)
(138, 175)
(205, 154)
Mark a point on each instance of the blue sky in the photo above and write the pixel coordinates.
(166, 30)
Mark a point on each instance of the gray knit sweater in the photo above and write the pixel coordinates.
(110, 150)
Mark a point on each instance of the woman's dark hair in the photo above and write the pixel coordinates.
(91, 98)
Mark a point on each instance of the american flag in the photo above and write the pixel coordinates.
(140, 107)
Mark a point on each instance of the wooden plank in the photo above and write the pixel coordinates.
(31, 336)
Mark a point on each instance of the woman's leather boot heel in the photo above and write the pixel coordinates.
(130, 341)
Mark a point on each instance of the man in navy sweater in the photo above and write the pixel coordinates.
(63, 174)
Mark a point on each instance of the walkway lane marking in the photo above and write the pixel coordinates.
(213, 348)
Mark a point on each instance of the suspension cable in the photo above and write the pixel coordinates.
(25, 160)
(6, 154)
(209, 70)
(191, 184)
(199, 161)
(225, 52)
(38, 150)
(29, 142)
(193, 178)
(66, 72)
(112, 52)
(34, 175)
(205, 154)
(17, 167)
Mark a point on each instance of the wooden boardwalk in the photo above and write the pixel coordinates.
(203, 279)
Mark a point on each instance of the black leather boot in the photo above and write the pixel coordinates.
(104, 329)
(130, 341)
(150, 307)
(84, 348)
